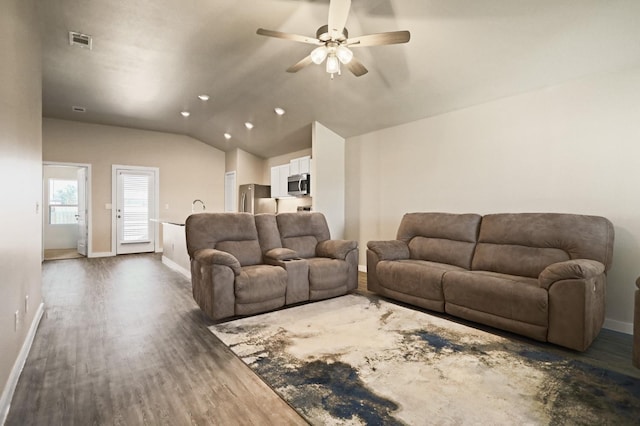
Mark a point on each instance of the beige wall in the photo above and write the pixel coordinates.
(328, 177)
(189, 169)
(20, 182)
(571, 148)
(248, 167)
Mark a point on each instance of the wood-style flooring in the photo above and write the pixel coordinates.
(122, 342)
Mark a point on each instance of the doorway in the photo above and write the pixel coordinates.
(135, 201)
(66, 213)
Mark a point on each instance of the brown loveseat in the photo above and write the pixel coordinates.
(243, 264)
(541, 275)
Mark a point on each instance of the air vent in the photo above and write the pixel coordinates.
(81, 40)
(78, 109)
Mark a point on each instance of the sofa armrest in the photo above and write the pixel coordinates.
(212, 257)
(389, 250)
(336, 249)
(280, 254)
(570, 269)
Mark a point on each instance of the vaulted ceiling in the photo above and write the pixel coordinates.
(152, 58)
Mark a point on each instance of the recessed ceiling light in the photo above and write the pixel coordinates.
(227, 136)
(185, 113)
(203, 97)
(279, 111)
(248, 125)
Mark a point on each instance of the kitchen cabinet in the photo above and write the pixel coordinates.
(279, 176)
(300, 165)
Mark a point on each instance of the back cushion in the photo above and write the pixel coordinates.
(440, 237)
(526, 243)
(247, 252)
(234, 233)
(268, 234)
(302, 231)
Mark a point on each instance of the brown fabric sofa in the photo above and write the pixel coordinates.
(541, 275)
(243, 264)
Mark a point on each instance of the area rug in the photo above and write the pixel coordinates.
(360, 360)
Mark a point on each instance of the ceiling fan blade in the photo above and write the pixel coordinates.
(356, 67)
(394, 37)
(303, 63)
(338, 13)
(288, 36)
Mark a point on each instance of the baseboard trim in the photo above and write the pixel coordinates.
(12, 382)
(362, 268)
(620, 326)
(102, 254)
(173, 265)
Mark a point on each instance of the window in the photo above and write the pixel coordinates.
(63, 201)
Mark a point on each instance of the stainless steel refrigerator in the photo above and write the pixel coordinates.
(256, 199)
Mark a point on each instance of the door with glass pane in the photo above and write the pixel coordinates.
(135, 205)
(83, 229)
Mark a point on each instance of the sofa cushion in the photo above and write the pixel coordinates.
(516, 260)
(268, 234)
(419, 278)
(440, 237)
(302, 231)
(326, 273)
(234, 233)
(508, 296)
(247, 252)
(259, 283)
(526, 243)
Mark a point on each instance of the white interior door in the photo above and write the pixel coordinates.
(83, 229)
(230, 204)
(135, 206)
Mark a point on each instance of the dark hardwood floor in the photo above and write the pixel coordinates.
(123, 342)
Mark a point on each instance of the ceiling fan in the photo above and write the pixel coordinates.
(334, 43)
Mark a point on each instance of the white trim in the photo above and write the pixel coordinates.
(102, 254)
(173, 265)
(12, 382)
(620, 326)
(114, 203)
(88, 192)
(362, 268)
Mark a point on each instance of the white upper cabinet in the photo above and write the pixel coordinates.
(300, 165)
(279, 175)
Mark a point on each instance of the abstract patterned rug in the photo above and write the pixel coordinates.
(361, 360)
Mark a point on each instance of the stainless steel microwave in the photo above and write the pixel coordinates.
(299, 185)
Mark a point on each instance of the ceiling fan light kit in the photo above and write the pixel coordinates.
(333, 42)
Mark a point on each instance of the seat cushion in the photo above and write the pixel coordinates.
(419, 278)
(325, 273)
(258, 283)
(507, 296)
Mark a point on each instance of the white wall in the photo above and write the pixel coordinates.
(572, 148)
(20, 184)
(328, 177)
(62, 236)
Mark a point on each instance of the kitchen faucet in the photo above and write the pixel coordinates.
(193, 205)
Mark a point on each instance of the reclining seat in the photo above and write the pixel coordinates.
(333, 264)
(227, 272)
